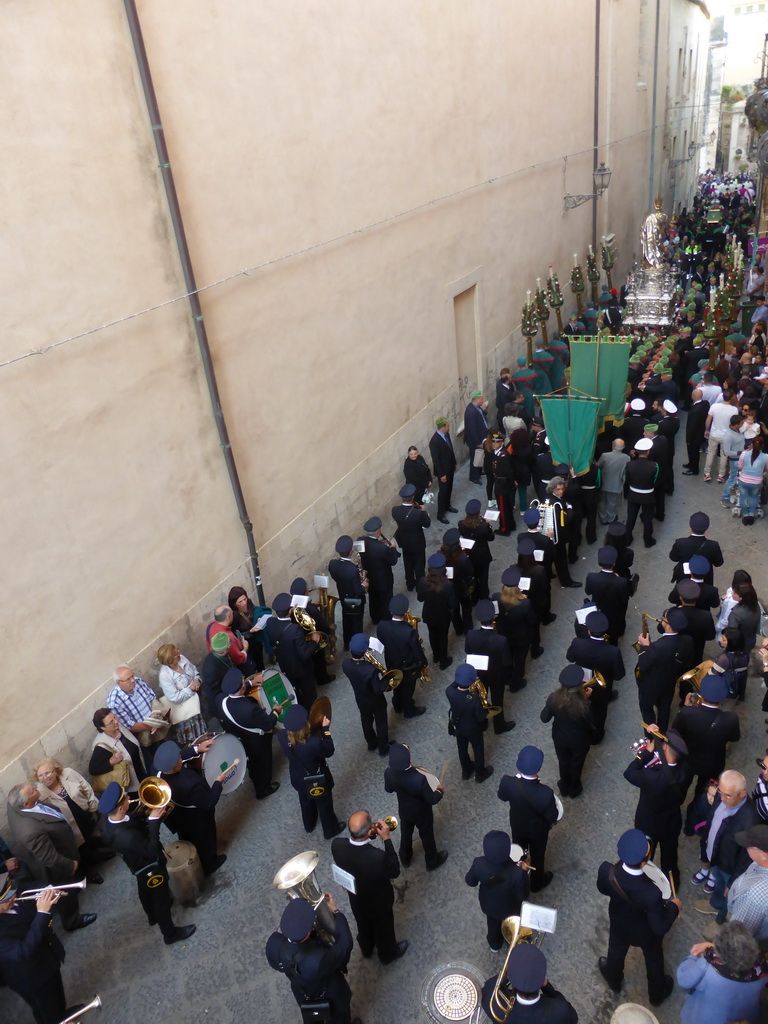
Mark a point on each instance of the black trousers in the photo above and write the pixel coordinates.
(444, 491)
(561, 564)
(46, 999)
(427, 836)
(338, 994)
(155, 898)
(519, 657)
(415, 566)
(202, 834)
(438, 641)
(694, 452)
(655, 705)
(68, 908)
(314, 807)
(375, 726)
(306, 689)
(646, 518)
(378, 603)
(496, 689)
(259, 751)
(667, 841)
(660, 496)
(351, 618)
(590, 519)
(599, 703)
(618, 947)
(493, 932)
(537, 849)
(462, 616)
(375, 928)
(402, 695)
(481, 592)
(478, 749)
(570, 760)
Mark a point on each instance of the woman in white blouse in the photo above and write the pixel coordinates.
(180, 682)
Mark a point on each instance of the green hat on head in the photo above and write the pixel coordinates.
(476, 394)
(441, 421)
(220, 642)
(651, 428)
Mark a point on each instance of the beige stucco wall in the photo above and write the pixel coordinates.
(365, 164)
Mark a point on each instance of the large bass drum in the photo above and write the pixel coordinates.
(223, 752)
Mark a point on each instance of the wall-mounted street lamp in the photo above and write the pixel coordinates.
(601, 178)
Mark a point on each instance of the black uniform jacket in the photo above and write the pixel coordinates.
(244, 716)
(503, 887)
(466, 711)
(411, 523)
(532, 807)
(708, 598)
(401, 644)
(366, 682)
(610, 592)
(373, 869)
(662, 791)
(347, 577)
(307, 758)
(495, 646)
(438, 603)
(137, 840)
(550, 1008)
(295, 651)
(640, 916)
(707, 731)
(314, 968)
(190, 794)
(598, 655)
(377, 560)
(483, 535)
(661, 664)
(415, 796)
(685, 548)
(700, 627)
(574, 731)
(30, 950)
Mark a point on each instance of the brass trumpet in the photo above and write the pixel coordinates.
(60, 890)
(307, 623)
(500, 1003)
(491, 710)
(390, 821)
(392, 677)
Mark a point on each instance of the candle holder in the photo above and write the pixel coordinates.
(529, 329)
(608, 260)
(555, 298)
(542, 311)
(577, 287)
(593, 274)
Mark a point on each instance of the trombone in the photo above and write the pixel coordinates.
(60, 890)
(391, 678)
(500, 1004)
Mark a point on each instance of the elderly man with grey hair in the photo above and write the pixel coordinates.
(131, 700)
(47, 843)
(748, 895)
(613, 469)
(732, 811)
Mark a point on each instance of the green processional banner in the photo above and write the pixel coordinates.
(571, 423)
(599, 367)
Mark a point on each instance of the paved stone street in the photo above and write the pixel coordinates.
(221, 973)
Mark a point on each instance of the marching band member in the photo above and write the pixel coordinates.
(659, 666)
(473, 527)
(543, 543)
(194, 802)
(699, 623)
(540, 591)
(610, 592)
(315, 969)
(436, 592)
(352, 587)
(696, 544)
(642, 475)
(458, 561)
(306, 753)
(415, 800)
(532, 811)
(402, 650)
(467, 721)
(242, 714)
(369, 688)
(559, 534)
(503, 884)
(639, 916)
(377, 560)
(296, 653)
(536, 1000)
(412, 520)
(137, 840)
(573, 727)
(498, 675)
(663, 780)
(299, 588)
(595, 653)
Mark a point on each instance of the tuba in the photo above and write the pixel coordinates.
(307, 623)
(327, 604)
(490, 709)
(296, 878)
(500, 1004)
(391, 678)
(692, 678)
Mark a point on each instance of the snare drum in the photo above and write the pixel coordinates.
(224, 750)
(658, 878)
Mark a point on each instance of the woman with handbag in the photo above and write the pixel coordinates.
(180, 682)
(116, 756)
(311, 777)
(67, 792)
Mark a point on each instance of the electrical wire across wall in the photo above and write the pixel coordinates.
(246, 271)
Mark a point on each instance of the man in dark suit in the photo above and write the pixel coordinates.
(194, 802)
(485, 641)
(46, 843)
(299, 588)
(532, 520)
(279, 621)
(661, 774)
(412, 520)
(533, 997)
(532, 811)
(659, 666)
(697, 543)
(295, 654)
(377, 560)
(315, 969)
(695, 425)
(415, 800)
(631, 429)
(503, 884)
(669, 425)
(351, 587)
(31, 954)
(699, 624)
(505, 393)
(595, 653)
(444, 466)
(698, 569)
(244, 717)
(639, 916)
(369, 688)
(732, 811)
(610, 592)
(475, 432)
(215, 666)
(137, 840)
(467, 721)
(373, 870)
(402, 650)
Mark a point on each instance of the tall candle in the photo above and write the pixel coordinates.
(538, 283)
(575, 260)
(551, 275)
(590, 249)
(528, 293)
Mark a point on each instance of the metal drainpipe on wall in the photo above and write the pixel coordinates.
(189, 280)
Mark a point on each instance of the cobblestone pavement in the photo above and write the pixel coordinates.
(221, 974)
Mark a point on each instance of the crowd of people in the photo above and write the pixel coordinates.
(62, 825)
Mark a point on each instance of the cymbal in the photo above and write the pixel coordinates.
(320, 709)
